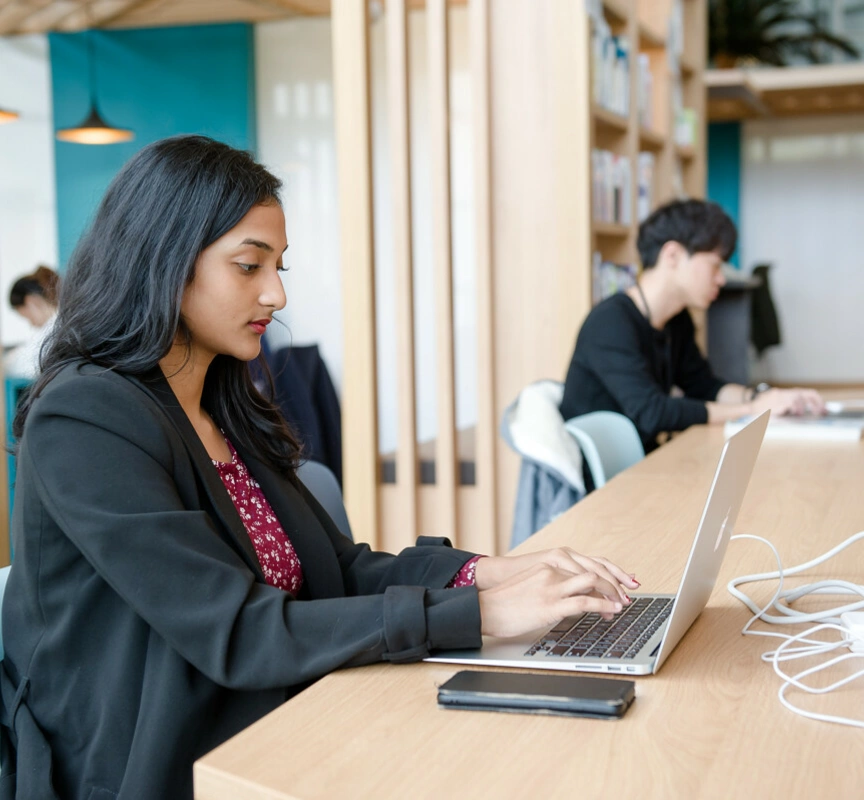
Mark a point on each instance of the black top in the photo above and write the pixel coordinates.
(139, 630)
(623, 364)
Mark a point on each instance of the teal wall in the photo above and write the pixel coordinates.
(724, 171)
(156, 81)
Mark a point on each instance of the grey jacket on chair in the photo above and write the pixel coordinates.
(550, 479)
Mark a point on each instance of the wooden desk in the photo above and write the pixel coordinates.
(709, 725)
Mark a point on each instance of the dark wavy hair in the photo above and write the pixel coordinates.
(120, 297)
(697, 225)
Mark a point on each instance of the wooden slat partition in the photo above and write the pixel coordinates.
(481, 533)
(541, 223)
(695, 95)
(572, 202)
(404, 511)
(534, 125)
(439, 136)
(354, 159)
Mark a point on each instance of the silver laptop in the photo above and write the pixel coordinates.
(639, 639)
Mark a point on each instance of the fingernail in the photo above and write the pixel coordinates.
(618, 606)
(636, 582)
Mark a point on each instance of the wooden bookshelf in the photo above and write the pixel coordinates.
(679, 168)
(610, 120)
(611, 230)
(617, 10)
(547, 120)
(650, 39)
(651, 140)
(687, 68)
(735, 94)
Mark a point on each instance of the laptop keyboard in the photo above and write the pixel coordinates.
(591, 636)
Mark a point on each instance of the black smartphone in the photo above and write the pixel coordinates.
(528, 693)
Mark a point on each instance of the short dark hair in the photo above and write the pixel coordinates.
(120, 298)
(699, 226)
(43, 282)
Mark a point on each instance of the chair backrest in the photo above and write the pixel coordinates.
(322, 483)
(610, 443)
(4, 574)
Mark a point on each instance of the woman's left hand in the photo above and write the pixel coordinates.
(492, 570)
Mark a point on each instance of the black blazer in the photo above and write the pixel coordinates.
(138, 628)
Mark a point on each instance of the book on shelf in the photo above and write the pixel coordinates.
(644, 185)
(685, 121)
(645, 91)
(611, 68)
(807, 428)
(611, 190)
(686, 125)
(677, 179)
(610, 278)
(675, 34)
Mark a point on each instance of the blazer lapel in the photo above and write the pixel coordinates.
(155, 384)
(321, 572)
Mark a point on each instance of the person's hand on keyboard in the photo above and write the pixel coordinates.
(492, 570)
(789, 402)
(542, 593)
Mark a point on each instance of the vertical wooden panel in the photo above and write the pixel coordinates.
(665, 159)
(571, 68)
(482, 537)
(439, 136)
(354, 160)
(541, 221)
(654, 14)
(400, 166)
(696, 50)
(695, 168)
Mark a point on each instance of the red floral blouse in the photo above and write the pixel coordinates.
(275, 552)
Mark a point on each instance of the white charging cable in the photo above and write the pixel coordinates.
(846, 619)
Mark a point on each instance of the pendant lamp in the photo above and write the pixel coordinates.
(7, 116)
(94, 129)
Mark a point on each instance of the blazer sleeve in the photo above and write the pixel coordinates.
(102, 462)
(432, 562)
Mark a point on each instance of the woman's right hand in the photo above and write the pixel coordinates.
(542, 596)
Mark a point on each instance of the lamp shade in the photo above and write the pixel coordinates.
(94, 130)
(7, 116)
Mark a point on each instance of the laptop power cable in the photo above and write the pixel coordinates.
(844, 625)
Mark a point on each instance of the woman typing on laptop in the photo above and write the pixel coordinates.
(174, 580)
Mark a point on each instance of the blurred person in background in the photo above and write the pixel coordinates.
(34, 297)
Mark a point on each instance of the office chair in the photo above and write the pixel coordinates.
(322, 483)
(609, 443)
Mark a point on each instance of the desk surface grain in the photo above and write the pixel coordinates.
(709, 725)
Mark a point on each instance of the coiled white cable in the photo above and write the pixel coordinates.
(830, 619)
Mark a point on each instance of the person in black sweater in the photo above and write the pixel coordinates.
(634, 347)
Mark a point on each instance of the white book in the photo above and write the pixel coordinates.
(845, 406)
(812, 429)
(645, 191)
